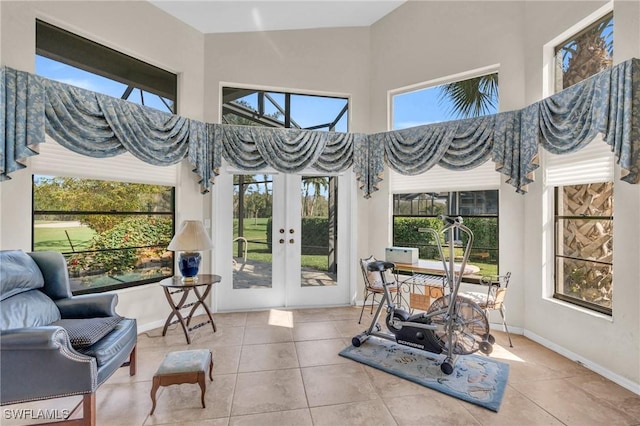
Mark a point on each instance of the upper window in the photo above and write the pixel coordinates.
(585, 54)
(289, 110)
(71, 59)
(583, 187)
(472, 97)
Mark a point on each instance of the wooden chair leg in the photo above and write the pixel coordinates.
(154, 389)
(132, 362)
(203, 387)
(211, 366)
(89, 409)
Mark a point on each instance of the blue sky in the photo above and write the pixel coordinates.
(409, 109)
(76, 77)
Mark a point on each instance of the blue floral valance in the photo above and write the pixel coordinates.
(607, 103)
(100, 126)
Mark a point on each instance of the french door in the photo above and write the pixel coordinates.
(285, 240)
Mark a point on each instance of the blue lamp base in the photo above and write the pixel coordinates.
(189, 263)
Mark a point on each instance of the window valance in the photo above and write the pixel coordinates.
(100, 126)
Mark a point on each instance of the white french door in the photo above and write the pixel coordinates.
(296, 232)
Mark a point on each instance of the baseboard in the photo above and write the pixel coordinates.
(596, 368)
(150, 326)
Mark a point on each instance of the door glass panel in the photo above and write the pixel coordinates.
(252, 218)
(319, 230)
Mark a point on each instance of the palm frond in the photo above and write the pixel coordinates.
(471, 98)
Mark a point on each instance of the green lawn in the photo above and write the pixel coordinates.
(256, 232)
(56, 239)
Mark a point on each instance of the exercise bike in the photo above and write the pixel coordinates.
(452, 324)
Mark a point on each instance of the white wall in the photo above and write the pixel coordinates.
(137, 29)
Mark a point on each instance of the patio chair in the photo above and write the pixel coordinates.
(373, 284)
(493, 299)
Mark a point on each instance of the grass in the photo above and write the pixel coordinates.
(56, 239)
(255, 230)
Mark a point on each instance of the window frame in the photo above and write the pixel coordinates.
(553, 48)
(456, 195)
(556, 244)
(76, 51)
(105, 288)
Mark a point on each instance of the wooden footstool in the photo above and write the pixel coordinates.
(183, 367)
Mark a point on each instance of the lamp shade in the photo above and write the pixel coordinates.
(191, 237)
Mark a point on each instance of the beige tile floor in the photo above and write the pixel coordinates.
(282, 368)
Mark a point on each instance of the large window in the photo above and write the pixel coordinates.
(418, 200)
(583, 187)
(479, 210)
(112, 234)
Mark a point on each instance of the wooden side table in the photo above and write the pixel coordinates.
(174, 285)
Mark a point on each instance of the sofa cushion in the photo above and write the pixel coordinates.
(18, 273)
(29, 309)
(84, 332)
(122, 337)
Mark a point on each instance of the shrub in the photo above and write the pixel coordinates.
(132, 232)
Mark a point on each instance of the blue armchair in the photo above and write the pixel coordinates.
(53, 344)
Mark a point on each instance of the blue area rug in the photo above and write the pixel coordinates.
(475, 379)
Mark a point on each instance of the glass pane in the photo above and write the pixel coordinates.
(584, 280)
(585, 54)
(593, 199)
(133, 248)
(252, 218)
(586, 239)
(317, 112)
(319, 231)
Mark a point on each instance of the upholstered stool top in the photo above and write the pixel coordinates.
(185, 362)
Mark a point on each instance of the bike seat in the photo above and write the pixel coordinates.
(380, 266)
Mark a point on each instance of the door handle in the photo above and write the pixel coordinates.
(291, 231)
(291, 241)
(281, 241)
(281, 231)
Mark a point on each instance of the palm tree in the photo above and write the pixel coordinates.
(318, 183)
(471, 98)
(586, 54)
(577, 59)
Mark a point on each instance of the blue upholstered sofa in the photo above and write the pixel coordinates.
(53, 344)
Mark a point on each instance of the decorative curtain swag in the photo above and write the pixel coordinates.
(101, 126)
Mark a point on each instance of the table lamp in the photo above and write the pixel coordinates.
(189, 240)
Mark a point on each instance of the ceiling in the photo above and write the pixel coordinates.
(216, 16)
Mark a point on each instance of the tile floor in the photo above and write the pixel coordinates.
(282, 368)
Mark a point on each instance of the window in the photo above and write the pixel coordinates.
(479, 210)
(471, 97)
(113, 234)
(289, 110)
(583, 186)
(472, 194)
(71, 59)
